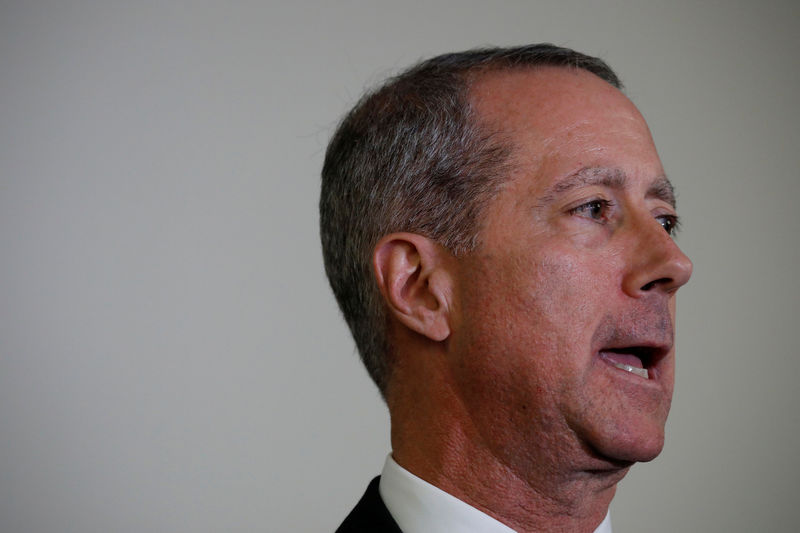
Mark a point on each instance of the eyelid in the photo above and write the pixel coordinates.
(668, 212)
(668, 219)
(606, 204)
(588, 199)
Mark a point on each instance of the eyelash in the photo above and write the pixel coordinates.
(583, 209)
(670, 223)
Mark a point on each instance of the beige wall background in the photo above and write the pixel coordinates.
(171, 358)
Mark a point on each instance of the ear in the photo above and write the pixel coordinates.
(412, 275)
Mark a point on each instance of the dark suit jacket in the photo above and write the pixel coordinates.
(370, 515)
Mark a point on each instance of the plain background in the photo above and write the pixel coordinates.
(171, 358)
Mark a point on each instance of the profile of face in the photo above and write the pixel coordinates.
(563, 317)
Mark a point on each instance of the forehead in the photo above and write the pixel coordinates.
(561, 120)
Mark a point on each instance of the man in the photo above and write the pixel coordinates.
(497, 229)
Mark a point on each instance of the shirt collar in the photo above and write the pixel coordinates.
(419, 507)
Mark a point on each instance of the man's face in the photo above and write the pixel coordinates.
(575, 277)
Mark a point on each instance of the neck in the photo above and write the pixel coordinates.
(540, 488)
(576, 503)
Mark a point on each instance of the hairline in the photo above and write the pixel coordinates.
(457, 74)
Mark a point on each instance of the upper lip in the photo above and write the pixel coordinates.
(645, 331)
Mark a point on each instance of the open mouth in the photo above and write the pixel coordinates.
(637, 360)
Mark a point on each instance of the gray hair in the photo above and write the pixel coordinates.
(412, 156)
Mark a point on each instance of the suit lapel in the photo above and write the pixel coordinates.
(370, 514)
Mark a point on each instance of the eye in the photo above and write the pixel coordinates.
(670, 223)
(594, 210)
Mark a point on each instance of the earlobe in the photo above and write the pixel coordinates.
(411, 271)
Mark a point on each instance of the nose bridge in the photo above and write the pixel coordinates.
(655, 260)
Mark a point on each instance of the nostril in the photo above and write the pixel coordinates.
(652, 284)
(656, 266)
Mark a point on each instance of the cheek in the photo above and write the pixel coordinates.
(568, 293)
(529, 321)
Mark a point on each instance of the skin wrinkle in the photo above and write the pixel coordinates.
(515, 413)
(613, 178)
(548, 422)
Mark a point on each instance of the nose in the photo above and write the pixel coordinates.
(656, 263)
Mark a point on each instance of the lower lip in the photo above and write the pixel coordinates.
(635, 378)
(630, 369)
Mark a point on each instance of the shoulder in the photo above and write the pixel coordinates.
(370, 514)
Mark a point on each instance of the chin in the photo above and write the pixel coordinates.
(631, 436)
(632, 446)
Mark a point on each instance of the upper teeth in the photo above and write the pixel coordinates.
(641, 372)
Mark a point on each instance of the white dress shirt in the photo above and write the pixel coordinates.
(419, 507)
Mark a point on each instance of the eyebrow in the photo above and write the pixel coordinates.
(662, 189)
(613, 178)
